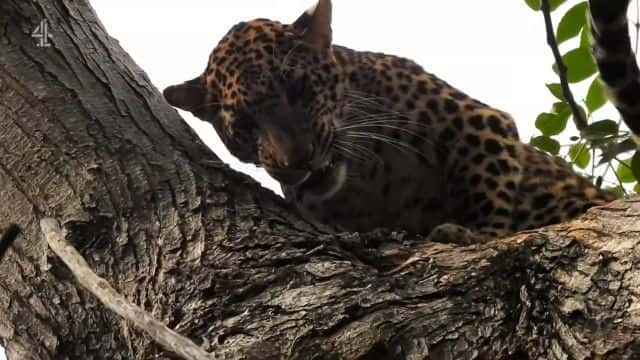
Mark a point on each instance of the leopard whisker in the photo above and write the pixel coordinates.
(368, 109)
(385, 126)
(366, 154)
(399, 145)
(365, 113)
(348, 153)
(369, 105)
(366, 98)
(374, 125)
(385, 121)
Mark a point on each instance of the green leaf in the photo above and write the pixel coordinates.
(637, 188)
(562, 109)
(624, 172)
(635, 165)
(533, 4)
(580, 64)
(600, 129)
(585, 35)
(580, 155)
(554, 4)
(572, 22)
(556, 90)
(547, 144)
(550, 124)
(596, 97)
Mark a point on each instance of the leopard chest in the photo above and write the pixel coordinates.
(396, 189)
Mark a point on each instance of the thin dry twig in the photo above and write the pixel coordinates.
(99, 287)
(578, 116)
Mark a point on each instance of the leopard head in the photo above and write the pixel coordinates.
(273, 92)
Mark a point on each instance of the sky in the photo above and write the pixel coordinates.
(493, 50)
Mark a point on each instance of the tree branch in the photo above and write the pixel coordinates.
(578, 117)
(101, 289)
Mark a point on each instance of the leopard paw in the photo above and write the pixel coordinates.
(449, 233)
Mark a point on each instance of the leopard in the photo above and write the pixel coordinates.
(362, 140)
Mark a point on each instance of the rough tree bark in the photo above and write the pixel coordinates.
(86, 139)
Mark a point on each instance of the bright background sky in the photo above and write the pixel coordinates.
(492, 50)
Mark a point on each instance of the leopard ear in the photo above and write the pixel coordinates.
(188, 96)
(315, 25)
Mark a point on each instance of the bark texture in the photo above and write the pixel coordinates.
(86, 139)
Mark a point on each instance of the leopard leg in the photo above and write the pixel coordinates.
(448, 233)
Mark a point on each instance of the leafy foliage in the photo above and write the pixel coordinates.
(596, 97)
(602, 148)
(580, 155)
(572, 22)
(600, 130)
(580, 65)
(547, 144)
(556, 90)
(551, 124)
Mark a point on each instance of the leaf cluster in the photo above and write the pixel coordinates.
(602, 150)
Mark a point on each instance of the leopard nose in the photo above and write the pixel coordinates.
(295, 156)
(289, 163)
(289, 176)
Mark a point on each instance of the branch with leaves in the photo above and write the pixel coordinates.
(600, 148)
(578, 116)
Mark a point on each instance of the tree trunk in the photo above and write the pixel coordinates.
(86, 139)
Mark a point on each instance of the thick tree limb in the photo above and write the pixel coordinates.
(85, 138)
(99, 287)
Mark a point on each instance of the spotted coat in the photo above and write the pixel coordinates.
(361, 140)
